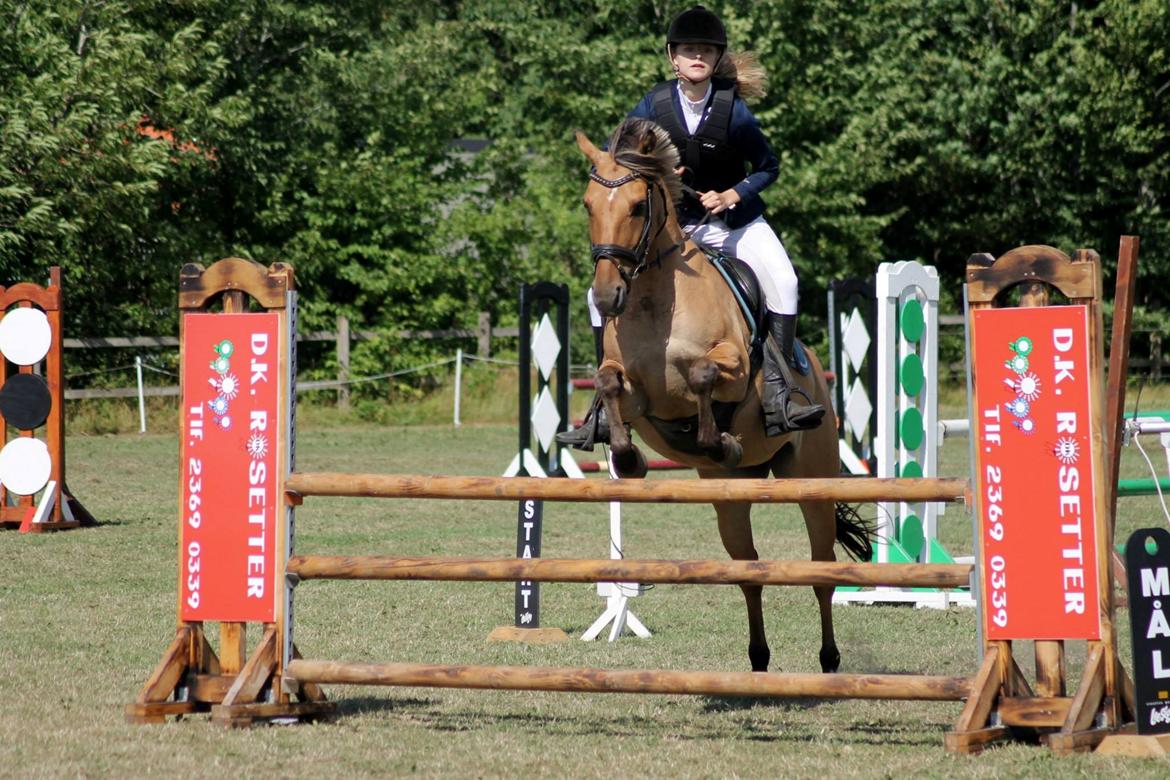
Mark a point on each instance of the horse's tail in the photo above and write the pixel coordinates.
(854, 533)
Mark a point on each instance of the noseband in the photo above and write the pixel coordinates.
(638, 257)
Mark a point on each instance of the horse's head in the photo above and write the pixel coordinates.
(629, 200)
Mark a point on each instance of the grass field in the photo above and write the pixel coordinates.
(85, 615)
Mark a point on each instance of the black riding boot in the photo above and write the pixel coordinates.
(782, 412)
(593, 430)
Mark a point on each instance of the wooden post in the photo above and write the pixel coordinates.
(1127, 255)
(343, 361)
(1156, 356)
(483, 335)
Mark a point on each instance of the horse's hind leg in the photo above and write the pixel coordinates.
(735, 529)
(821, 521)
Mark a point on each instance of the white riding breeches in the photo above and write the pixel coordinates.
(757, 245)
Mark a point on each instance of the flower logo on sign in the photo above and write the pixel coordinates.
(228, 386)
(1027, 386)
(1067, 450)
(1019, 407)
(225, 384)
(257, 446)
(1019, 364)
(1024, 385)
(1025, 426)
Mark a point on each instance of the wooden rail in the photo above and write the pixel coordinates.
(663, 572)
(670, 491)
(662, 681)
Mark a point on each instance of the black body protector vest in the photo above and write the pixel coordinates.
(711, 162)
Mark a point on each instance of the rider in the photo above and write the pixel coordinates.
(718, 137)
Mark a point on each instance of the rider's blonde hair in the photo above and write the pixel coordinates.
(751, 80)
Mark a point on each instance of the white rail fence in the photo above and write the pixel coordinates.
(483, 335)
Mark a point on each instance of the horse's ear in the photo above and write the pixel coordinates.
(586, 146)
(647, 141)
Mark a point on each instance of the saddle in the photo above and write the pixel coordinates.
(745, 288)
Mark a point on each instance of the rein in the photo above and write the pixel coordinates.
(639, 256)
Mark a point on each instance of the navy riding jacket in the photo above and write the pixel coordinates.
(744, 137)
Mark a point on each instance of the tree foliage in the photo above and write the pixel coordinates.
(135, 137)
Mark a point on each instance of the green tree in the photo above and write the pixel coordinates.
(80, 173)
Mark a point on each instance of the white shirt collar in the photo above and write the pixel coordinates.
(692, 111)
(694, 105)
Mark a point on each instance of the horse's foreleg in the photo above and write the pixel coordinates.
(821, 521)
(722, 448)
(735, 529)
(628, 460)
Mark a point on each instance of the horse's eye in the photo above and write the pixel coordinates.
(639, 209)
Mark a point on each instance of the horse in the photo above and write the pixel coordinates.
(676, 344)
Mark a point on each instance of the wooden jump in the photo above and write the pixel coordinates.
(660, 572)
(1000, 702)
(659, 491)
(661, 681)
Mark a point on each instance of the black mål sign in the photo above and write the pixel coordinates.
(1147, 561)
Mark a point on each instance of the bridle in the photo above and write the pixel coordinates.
(639, 256)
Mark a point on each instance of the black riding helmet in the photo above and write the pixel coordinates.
(697, 25)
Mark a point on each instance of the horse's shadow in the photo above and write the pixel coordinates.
(713, 704)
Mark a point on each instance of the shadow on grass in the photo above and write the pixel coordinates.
(361, 705)
(429, 713)
(106, 523)
(714, 704)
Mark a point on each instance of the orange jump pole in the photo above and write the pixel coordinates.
(659, 572)
(661, 681)
(659, 491)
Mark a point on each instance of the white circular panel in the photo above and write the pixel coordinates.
(25, 336)
(25, 465)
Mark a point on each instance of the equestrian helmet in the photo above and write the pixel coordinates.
(697, 25)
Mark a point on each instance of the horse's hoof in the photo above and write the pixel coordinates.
(630, 464)
(830, 660)
(759, 656)
(732, 451)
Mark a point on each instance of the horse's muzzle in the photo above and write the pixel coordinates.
(610, 298)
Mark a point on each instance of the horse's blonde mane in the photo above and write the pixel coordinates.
(646, 149)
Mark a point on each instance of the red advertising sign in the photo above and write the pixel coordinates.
(230, 459)
(1035, 472)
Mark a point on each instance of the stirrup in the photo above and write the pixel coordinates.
(800, 417)
(789, 417)
(594, 430)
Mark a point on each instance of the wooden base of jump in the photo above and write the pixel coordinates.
(528, 636)
(190, 679)
(1127, 742)
(73, 515)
